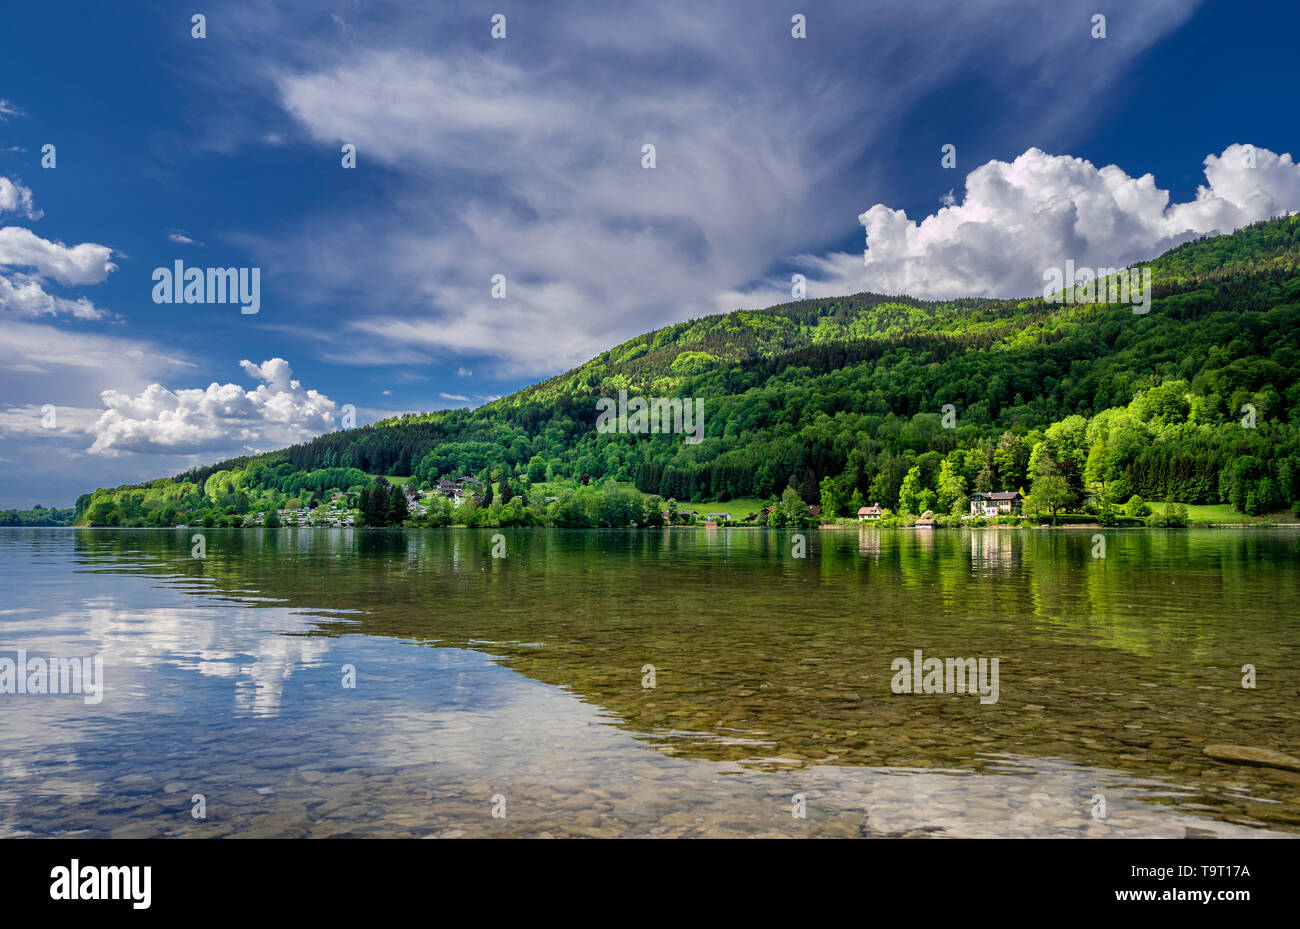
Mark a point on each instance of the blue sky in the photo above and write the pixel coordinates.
(522, 156)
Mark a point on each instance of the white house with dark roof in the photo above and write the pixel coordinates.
(996, 503)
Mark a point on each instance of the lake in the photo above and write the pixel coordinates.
(684, 682)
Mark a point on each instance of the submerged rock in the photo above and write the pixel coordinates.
(1264, 757)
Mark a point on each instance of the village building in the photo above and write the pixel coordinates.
(996, 503)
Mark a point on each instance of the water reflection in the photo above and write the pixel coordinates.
(523, 675)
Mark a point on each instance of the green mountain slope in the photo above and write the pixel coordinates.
(844, 399)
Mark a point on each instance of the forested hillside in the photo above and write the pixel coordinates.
(844, 399)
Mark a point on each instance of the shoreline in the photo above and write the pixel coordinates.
(828, 528)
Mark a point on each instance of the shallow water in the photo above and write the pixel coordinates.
(515, 684)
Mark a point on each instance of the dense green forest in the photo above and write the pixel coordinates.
(904, 403)
(39, 516)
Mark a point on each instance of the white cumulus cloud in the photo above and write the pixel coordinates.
(219, 417)
(87, 263)
(15, 198)
(1021, 217)
(26, 297)
(23, 293)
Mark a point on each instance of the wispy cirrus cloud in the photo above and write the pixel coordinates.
(523, 158)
